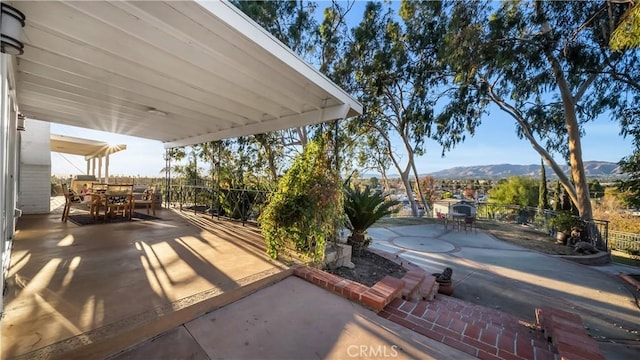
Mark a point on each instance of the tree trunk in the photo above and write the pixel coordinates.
(420, 192)
(582, 201)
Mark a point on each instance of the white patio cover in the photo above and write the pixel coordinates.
(181, 72)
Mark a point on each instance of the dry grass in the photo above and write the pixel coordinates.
(524, 236)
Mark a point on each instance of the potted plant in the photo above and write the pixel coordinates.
(363, 208)
(562, 224)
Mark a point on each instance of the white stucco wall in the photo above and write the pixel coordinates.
(35, 168)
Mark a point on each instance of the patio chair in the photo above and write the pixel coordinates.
(74, 201)
(119, 200)
(148, 200)
(469, 223)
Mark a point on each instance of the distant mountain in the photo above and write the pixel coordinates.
(593, 169)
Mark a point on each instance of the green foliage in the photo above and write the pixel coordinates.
(557, 200)
(307, 207)
(516, 190)
(627, 33)
(596, 189)
(396, 91)
(548, 66)
(630, 188)
(564, 221)
(365, 207)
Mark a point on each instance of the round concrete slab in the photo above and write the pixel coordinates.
(423, 244)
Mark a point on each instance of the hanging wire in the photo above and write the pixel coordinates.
(69, 161)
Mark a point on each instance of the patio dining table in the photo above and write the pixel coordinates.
(458, 218)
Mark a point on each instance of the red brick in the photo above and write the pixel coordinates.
(580, 340)
(572, 356)
(430, 315)
(301, 271)
(480, 345)
(384, 314)
(543, 354)
(473, 331)
(444, 320)
(429, 333)
(540, 344)
(578, 350)
(420, 309)
(507, 343)
(460, 346)
(372, 300)
(457, 326)
(385, 292)
(417, 275)
(468, 310)
(480, 323)
(507, 355)
(396, 312)
(489, 336)
(396, 303)
(319, 281)
(524, 348)
(407, 306)
(543, 312)
(446, 332)
(404, 322)
(391, 283)
(330, 278)
(354, 294)
(486, 356)
(340, 286)
(420, 322)
(385, 296)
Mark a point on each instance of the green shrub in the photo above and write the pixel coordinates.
(306, 209)
(363, 208)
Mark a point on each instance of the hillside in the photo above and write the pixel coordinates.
(593, 169)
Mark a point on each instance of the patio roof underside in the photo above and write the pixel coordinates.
(88, 148)
(208, 70)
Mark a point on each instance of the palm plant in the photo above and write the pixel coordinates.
(364, 207)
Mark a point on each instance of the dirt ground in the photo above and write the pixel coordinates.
(370, 268)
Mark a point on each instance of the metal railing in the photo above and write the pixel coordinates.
(594, 231)
(619, 240)
(237, 204)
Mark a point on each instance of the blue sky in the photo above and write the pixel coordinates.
(495, 142)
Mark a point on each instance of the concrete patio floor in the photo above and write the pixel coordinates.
(112, 285)
(292, 319)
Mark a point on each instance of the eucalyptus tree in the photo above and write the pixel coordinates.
(295, 25)
(390, 78)
(543, 201)
(548, 66)
(627, 33)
